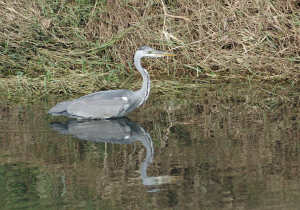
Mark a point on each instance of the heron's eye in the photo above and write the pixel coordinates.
(149, 52)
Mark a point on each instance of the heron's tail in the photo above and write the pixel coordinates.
(60, 107)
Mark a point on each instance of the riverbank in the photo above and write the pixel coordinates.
(70, 48)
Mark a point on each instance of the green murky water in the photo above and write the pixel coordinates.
(214, 152)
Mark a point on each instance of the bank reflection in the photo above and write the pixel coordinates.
(117, 131)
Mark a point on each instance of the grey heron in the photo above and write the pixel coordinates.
(111, 103)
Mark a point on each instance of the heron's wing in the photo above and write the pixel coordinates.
(60, 107)
(99, 108)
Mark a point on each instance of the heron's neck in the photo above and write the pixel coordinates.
(144, 92)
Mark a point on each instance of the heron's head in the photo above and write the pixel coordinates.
(152, 53)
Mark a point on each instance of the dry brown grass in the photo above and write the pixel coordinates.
(51, 42)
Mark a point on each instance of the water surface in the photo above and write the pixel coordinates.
(213, 152)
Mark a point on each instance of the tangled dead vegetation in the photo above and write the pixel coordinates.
(49, 41)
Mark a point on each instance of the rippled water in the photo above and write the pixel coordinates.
(203, 153)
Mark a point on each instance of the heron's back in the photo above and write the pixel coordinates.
(100, 105)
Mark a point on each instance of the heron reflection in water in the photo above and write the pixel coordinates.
(111, 103)
(119, 131)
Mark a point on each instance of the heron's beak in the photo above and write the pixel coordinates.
(161, 54)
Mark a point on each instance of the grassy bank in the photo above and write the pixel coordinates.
(63, 47)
